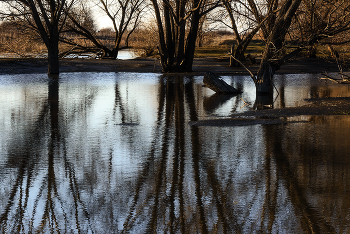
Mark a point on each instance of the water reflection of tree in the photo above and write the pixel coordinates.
(180, 189)
(184, 184)
(310, 218)
(46, 210)
(22, 158)
(167, 190)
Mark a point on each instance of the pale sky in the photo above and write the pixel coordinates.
(103, 22)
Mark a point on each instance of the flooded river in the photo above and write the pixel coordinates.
(114, 153)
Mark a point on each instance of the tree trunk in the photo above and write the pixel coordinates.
(191, 39)
(110, 54)
(312, 51)
(264, 101)
(231, 56)
(181, 43)
(115, 52)
(162, 45)
(53, 61)
(238, 53)
(271, 61)
(264, 83)
(175, 55)
(242, 45)
(169, 26)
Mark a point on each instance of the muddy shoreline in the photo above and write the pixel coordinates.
(316, 107)
(151, 65)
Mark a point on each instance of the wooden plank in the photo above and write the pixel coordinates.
(213, 81)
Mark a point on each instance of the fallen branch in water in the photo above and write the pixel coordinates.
(213, 81)
(245, 103)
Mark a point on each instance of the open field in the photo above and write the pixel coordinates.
(213, 44)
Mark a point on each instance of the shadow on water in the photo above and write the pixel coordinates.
(216, 100)
(78, 168)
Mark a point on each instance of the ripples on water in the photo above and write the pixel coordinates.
(113, 153)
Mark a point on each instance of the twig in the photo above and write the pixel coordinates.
(331, 79)
(68, 51)
(251, 74)
(14, 51)
(245, 103)
(327, 77)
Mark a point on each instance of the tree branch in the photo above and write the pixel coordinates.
(251, 74)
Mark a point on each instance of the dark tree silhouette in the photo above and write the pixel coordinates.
(44, 17)
(176, 43)
(125, 16)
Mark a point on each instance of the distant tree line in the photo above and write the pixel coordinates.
(286, 26)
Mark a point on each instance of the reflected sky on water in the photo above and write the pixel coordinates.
(114, 153)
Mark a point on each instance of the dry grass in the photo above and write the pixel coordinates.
(12, 42)
(145, 41)
(214, 44)
(212, 51)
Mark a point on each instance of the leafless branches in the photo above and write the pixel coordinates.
(178, 24)
(322, 21)
(125, 16)
(46, 18)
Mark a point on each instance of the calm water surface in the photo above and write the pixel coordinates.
(113, 153)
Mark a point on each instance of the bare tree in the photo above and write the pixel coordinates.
(322, 22)
(318, 21)
(44, 17)
(176, 42)
(125, 16)
(273, 55)
(239, 12)
(273, 18)
(283, 21)
(246, 19)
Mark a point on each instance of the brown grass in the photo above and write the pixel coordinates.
(214, 44)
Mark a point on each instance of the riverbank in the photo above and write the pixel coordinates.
(150, 65)
(316, 107)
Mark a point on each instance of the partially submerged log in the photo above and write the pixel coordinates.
(213, 81)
